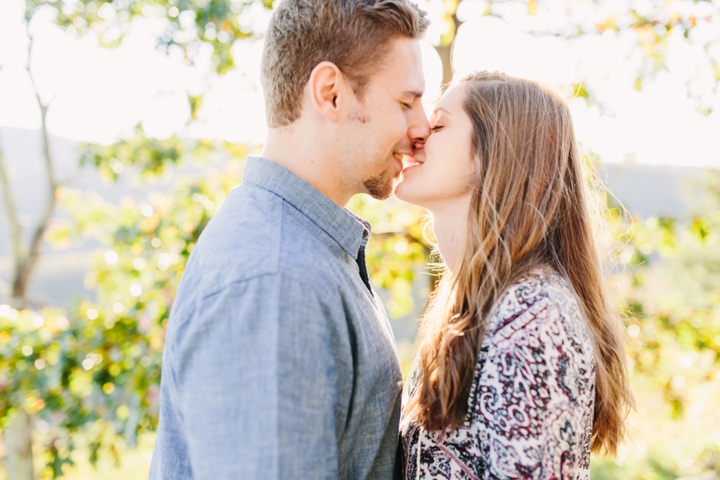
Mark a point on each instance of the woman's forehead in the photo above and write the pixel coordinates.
(452, 99)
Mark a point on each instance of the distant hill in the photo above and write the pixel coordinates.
(644, 190)
(647, 190)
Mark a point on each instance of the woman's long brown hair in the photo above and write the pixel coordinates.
(529, 209)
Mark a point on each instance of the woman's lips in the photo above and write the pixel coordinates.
(410, 162)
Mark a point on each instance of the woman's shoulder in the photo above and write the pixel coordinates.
(541, 299)
(531, 402)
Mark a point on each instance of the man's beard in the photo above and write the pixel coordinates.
(381, 186)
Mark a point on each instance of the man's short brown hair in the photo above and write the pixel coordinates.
(352, 34)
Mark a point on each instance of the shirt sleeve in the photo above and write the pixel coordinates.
(257, 378)
(530, 398)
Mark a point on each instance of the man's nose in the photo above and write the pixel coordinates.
(419, 129)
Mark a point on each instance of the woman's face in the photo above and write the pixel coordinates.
(444, 173)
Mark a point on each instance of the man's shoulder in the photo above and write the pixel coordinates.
(243, 238)
(257, 233)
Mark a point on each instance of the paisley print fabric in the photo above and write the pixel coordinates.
(531, 403)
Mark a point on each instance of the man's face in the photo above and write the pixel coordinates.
(388, 123)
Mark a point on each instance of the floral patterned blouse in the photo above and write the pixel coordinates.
(531, 403)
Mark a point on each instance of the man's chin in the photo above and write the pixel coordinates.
(381, 187)
(381, 195)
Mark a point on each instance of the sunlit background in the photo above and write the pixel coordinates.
(100, 93)
(146, 110)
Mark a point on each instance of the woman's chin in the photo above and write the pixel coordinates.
(406, 192)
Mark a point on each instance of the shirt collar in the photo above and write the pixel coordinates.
(347, 229)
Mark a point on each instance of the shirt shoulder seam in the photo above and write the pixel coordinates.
(308, 281)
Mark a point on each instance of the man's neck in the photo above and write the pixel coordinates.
(307, 160)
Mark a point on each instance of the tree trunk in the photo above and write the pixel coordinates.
(26, 260)
(447, 40)
(14, 227)
(18, 441)
(23, 275)
(445, 53)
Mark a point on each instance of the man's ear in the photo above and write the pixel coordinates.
(326, 90)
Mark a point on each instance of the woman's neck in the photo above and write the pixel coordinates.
(450, 228)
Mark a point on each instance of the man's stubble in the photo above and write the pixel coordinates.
(382, 186)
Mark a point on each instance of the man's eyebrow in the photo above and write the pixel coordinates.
(412, 93)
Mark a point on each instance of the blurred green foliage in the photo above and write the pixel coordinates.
(186, 26)
(397, 251)
(669, 289)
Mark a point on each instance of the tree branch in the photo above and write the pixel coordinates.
(13, 220)
(10, 211)
(28, 264)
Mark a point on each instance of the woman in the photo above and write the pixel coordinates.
(521, 370)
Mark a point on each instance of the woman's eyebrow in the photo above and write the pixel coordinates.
(440, 109)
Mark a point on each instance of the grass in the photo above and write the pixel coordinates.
(134, 464)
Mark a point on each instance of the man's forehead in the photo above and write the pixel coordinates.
(402, 69)
(408, 83)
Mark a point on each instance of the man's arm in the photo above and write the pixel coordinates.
(257, 377)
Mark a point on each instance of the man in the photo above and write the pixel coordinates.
(279, 360)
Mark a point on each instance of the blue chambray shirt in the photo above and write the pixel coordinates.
(279, 361)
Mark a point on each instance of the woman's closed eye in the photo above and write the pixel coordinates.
(436, 128)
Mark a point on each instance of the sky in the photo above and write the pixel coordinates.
(99, 94)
